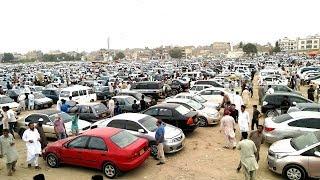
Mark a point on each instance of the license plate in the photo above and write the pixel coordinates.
(46, 105)
(141, 151)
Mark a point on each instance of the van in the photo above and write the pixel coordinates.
(80, 94)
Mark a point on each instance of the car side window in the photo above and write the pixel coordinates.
(215, 92)
(121, 102)
(313, 123)
(85, 109)
(311, 152)
(97, 143)
(165, 112)
(298, 100)
(121, 124)
(207, 92)
(81, 93)
(32, 118)
(90, 91)
(298, 123)
(152, 112)
(133, 126)
(79, 142)
(75, 93)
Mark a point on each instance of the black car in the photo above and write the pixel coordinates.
(176, 115)
(178, 86)
(210, 82)
(272, 102)
(93, 111)
(52, 94)
(13, 94)
(150, 88)
(135, 94)
(103, 92)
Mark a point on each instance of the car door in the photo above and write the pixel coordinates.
(74, 151)
(300, 127)
(166, 116)
(134, 127)
(47, 126)
(95, 153)
(120, 124)
(314, 162)
(86, 113)
(152, 112)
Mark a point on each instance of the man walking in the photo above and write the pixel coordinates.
(8, 149)
(31, 101)
(135, 106)
(255, 117)
(159, 136)
(43, 138)
(234, 112)
(12, 120)
(111, 106)
(258, 139)
(143, 103)
(243, 121)
(311, 93)
(32, 138)
(247, 157)
(59, 128)
(228, 126)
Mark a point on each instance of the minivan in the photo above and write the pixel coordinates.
(80, 94)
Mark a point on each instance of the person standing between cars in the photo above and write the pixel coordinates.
(225, 99)
(234, 112)
(8, 149)
(153, 102)
(32, 138)
(22, 101)
(59, 128)
(43, 138)
(247, 157)
(64, 106)
(5, 119)
(74, 124)
(72, 105)
(111, 106)
(285, 105)
(31, 101)
(270, 90)
(135, 106)
(1, 91)
(311, 93)
(228, 126)
(255, 117)
(143, 104)
(12, 120)
(243, 121)
(246, 96)
(159, 136)
(258, 139)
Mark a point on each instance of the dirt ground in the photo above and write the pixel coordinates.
(202, 158)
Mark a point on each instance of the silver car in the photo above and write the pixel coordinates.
(290, 125)
(144, 126)
(296, 158)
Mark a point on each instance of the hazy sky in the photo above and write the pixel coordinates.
(86, 24)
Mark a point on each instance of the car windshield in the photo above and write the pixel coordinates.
(130, 99)
(5, 100)
(199, 99)
(182, 110)
(195, 105)
(123, 139)
(149, 123)
(305, 140)
(100, 108)
(101, 88)
(194, 88)
(281, 118)
(64, 116)
(38, 96)
(65, 94)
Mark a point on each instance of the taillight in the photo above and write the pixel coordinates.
(190, 121)
(268, 129)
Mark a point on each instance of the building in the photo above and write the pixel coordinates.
(220, 48)
(186, 52)
(36, 55)
(288, 45)
(309, 43)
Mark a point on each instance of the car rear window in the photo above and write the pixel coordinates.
(182, 110)
(123, 139)
(65, 94)
(100, 108)
(281, 118)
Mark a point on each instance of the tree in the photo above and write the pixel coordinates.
(7, 57)
(119, 55)
(276, 49)
(175, 53)
(241, 44)
(250, 48)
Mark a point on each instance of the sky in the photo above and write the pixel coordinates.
(85, 25)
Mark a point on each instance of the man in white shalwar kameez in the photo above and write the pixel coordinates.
(246, 96)
(238, 101)
(228, 126)
(32, 138)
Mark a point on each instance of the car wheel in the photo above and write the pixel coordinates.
(110, 170)
(202, 121)
(174, 92)
(272, 113)
(294, 172)
(52, 160)
(154, 150)
(91, 100)
(21, 131)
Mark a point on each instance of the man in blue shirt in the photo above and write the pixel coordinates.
(160, 140)
(64, 106)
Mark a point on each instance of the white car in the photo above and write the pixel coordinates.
(213, 94)
(197, 98)
(206, 115)
(7, 101)
(198, 87)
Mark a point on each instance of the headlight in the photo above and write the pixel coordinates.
(280, 156)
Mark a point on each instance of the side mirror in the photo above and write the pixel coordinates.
(141, 131)
(317, 153)
(294, 103)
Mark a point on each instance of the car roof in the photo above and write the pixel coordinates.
(102, 132)
(121, 96)
(306, 105)
(284, 94)
(130, 116)
(305, 114)
(75, 87)
(167, 105)
(185, 94)
(179, 100)
(90, 103)
(46, 111)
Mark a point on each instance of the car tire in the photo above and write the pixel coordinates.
(110, 170)
(52, 160)
(91, 100)
(272, 113)
(294, 172)
(21, 131)
(154, 149)
(174, 92)
(203, 122)
(36, 107)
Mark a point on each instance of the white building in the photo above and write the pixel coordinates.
(288, 45)
(309, 43)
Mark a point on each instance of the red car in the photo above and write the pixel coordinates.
(109, 149)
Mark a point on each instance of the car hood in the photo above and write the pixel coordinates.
(43, 100)
(282, 146)
(209, 110)
(81, 124)
(171, 131)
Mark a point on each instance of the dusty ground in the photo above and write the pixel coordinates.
(202, 158)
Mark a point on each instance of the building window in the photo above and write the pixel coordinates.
(308, 46)
(315, 47)
(309, 42)
(302, 42)
(302, 47)
(315, 42)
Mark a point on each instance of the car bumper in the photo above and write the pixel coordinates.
(271, 138)
(173, 147)
(127, 166)
(275, 165)
(213, 120)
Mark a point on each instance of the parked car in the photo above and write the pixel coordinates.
(7, 101)
(49, 117)
(199, 87)
(102, 92)
(197, 98)
(213, 94)
(52, 94)
(125, 102)
(175, 114)
(93, 112)
(108, 149)
(36, 88)
(179, 85)
(80, 94)
(144, 126)
(41, 101)
(206, 115)
(296, 158)
(209, 82)
(281, 88)
(150, 88)
(271, 102)
(290, 125)
(305, 107)
(13, 94)
(135, 94)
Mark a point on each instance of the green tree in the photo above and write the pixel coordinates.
(119, 55)
(175, 53)
(276, 49)
(241, 44)
(7, 57)
(250, 48)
